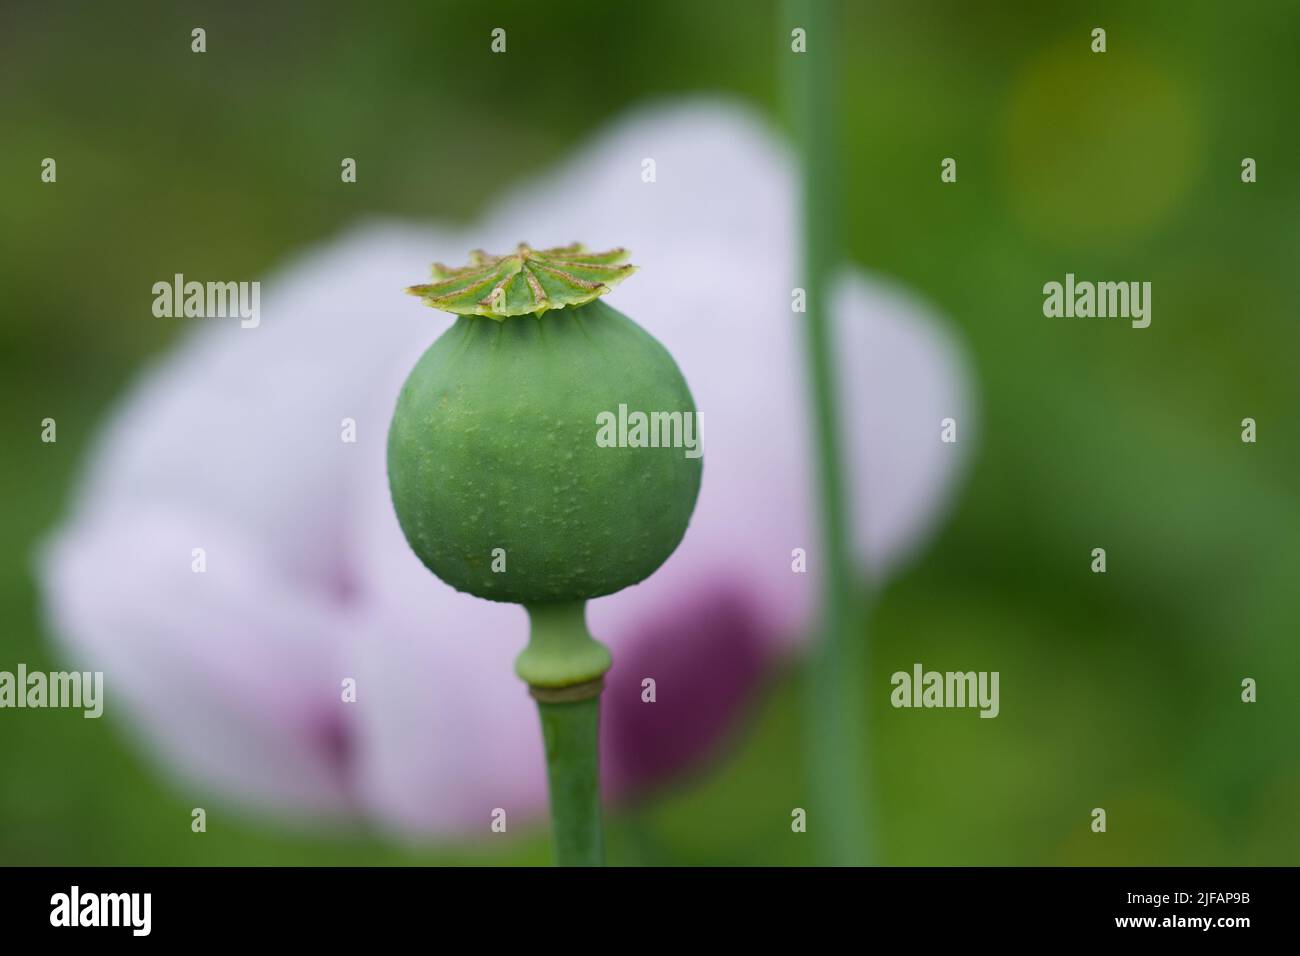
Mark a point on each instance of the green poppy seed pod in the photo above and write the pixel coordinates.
(545, 449)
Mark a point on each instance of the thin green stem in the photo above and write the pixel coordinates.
(571, 731)
(837, 746)
(564, 667)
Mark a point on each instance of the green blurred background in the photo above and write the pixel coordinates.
(1119, 690)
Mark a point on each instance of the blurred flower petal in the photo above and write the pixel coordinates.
(233, 444)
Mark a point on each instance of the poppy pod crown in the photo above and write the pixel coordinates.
(527, 281)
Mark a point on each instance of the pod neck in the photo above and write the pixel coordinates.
(562, 658)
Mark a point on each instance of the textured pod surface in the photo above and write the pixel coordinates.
(494, 462)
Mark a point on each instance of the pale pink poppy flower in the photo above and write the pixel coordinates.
(233, 444)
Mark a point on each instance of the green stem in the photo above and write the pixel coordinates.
(837, 746)
(573, 768)
(564, 667)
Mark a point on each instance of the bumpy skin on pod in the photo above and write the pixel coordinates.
(493, 445)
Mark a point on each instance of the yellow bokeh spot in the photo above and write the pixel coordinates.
(1097, 147)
